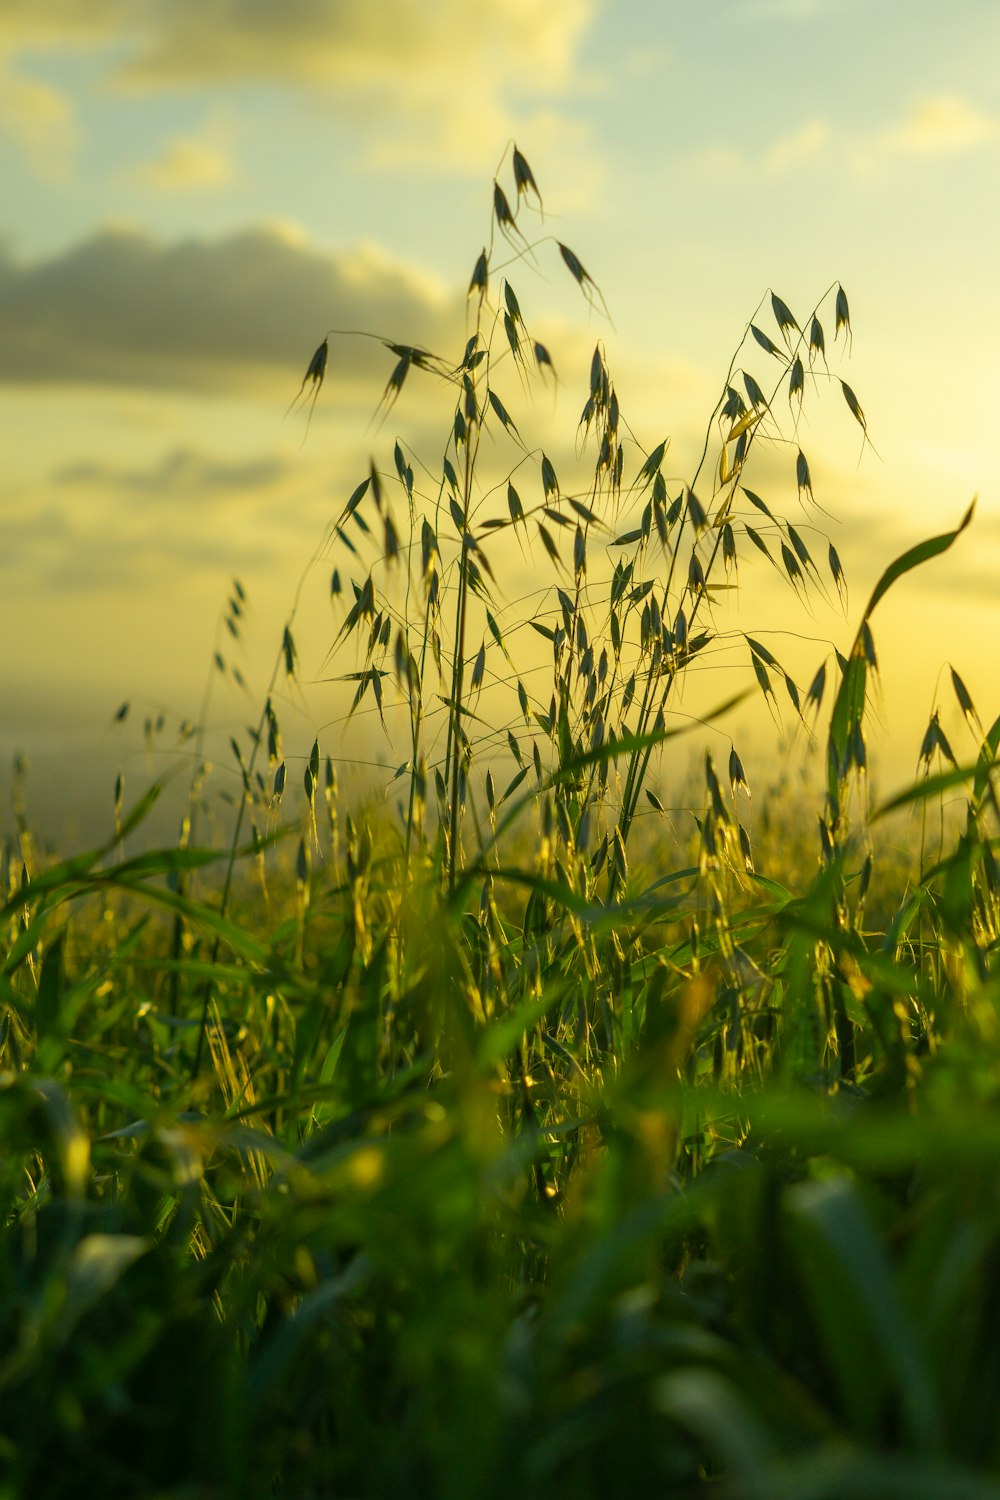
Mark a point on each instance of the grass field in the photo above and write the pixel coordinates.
(465, 1149)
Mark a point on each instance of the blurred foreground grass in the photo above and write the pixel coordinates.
(446, 1211)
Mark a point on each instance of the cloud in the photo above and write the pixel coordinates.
(785, 153)
(97, 525)
(942, 124)
(186, 163)
(123, 309)
(429, 64)
(801, 145)
(395, 45)
(182, 474)
(25, 23)
(40, 119)
(324, 41)
(933, 127)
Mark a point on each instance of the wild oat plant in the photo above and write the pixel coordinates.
(487, 1148)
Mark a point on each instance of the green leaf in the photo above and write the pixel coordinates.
(917, 555)
(933, 786)
(865, 1334)
(51, 986)
(848, 708)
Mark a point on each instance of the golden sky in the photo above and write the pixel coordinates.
(195, 190)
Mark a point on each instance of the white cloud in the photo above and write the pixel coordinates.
(459, 81)
(25, 23)
(40, 119)
(459, 88)
(727, 160)
(186, 164)
(412, 49)
(945, 123)
(933, 127)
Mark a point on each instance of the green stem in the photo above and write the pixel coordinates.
(453, 756)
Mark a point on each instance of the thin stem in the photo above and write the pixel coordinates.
(453, 758)
(258, 738)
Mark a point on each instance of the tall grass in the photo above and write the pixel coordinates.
(484, 1149)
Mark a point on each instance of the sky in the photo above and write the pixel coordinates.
(194, 191)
